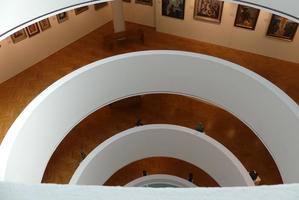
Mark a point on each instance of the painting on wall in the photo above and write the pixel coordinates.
(98, 6)
(128, 1)
(145, 2)
(173, 8)
(62, 17)
(246, 17)
(18, 36)
(282, 28)
(32, 30)
(44, 24)
(81, 10)
(208, 10)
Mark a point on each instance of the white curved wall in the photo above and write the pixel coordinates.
(16, 14)
(36, 133)
(160, 178)
(31, 11)
(166, 141)
(289, 8)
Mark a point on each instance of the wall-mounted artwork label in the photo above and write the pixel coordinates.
(18, 36)
(282, 28)
(32, 30)
(81, 10)
(145, 2)
(246, 17)
(98, 6)
(208, 10)
(173, 8)
(44, 24)
(62, 17)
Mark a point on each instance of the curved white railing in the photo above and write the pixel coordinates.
(19, 191)
(39, 129)
(16, 15)
(288, 9)
(166, 141)
(160, 178)
(32, 11)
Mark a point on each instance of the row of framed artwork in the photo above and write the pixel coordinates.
(246, 17)
(45, 24)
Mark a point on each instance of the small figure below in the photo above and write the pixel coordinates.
(83, 155)
(190, 178)
(200, 128)
(138, 123)
(144, 173)
(255, 177)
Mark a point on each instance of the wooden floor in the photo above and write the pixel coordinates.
(18, 91)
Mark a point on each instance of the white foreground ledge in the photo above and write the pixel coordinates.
(17, 191)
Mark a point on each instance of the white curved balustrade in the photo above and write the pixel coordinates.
(166, 141)
(288, 9)
(16, 15)
(19, 191)
(43, 124)
(32, 11)
(160, 178)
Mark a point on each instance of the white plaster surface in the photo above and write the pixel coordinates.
(268, 111)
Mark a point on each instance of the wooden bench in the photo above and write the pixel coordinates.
(115, 39)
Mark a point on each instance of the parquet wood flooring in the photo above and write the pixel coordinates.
(18, 91)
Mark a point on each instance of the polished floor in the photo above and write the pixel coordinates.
(18, 91)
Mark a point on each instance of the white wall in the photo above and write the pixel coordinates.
(17, 57)
(162, 140)
(140, 14)
(267, 110)
(226, 34)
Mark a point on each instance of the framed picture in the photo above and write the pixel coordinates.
(174, 9)
(62, 17)
(246, 17)
(32, 30)
(282, 28)
(100, 5)
(44, 24)
(145, 2)
(18, 36)
(81, 10)
(128, 1)
(208, 10)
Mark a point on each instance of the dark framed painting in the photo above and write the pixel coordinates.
(175, 9)
(44, 24)
(128, 1)
(32, 30)
(18, 36)
(282, 28)
(145, 2)
(246, 17)
(98, 6)
(208, 10)
(80, 10)
(62, 17)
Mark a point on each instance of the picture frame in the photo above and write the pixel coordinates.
(282, 28)
(175, 9)
(246, 17)
(98, 6)
(32, 30)
(208, 10)
(145, 2)
(18, 36)
(44, 24)
(81, 10)
(62, 17)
